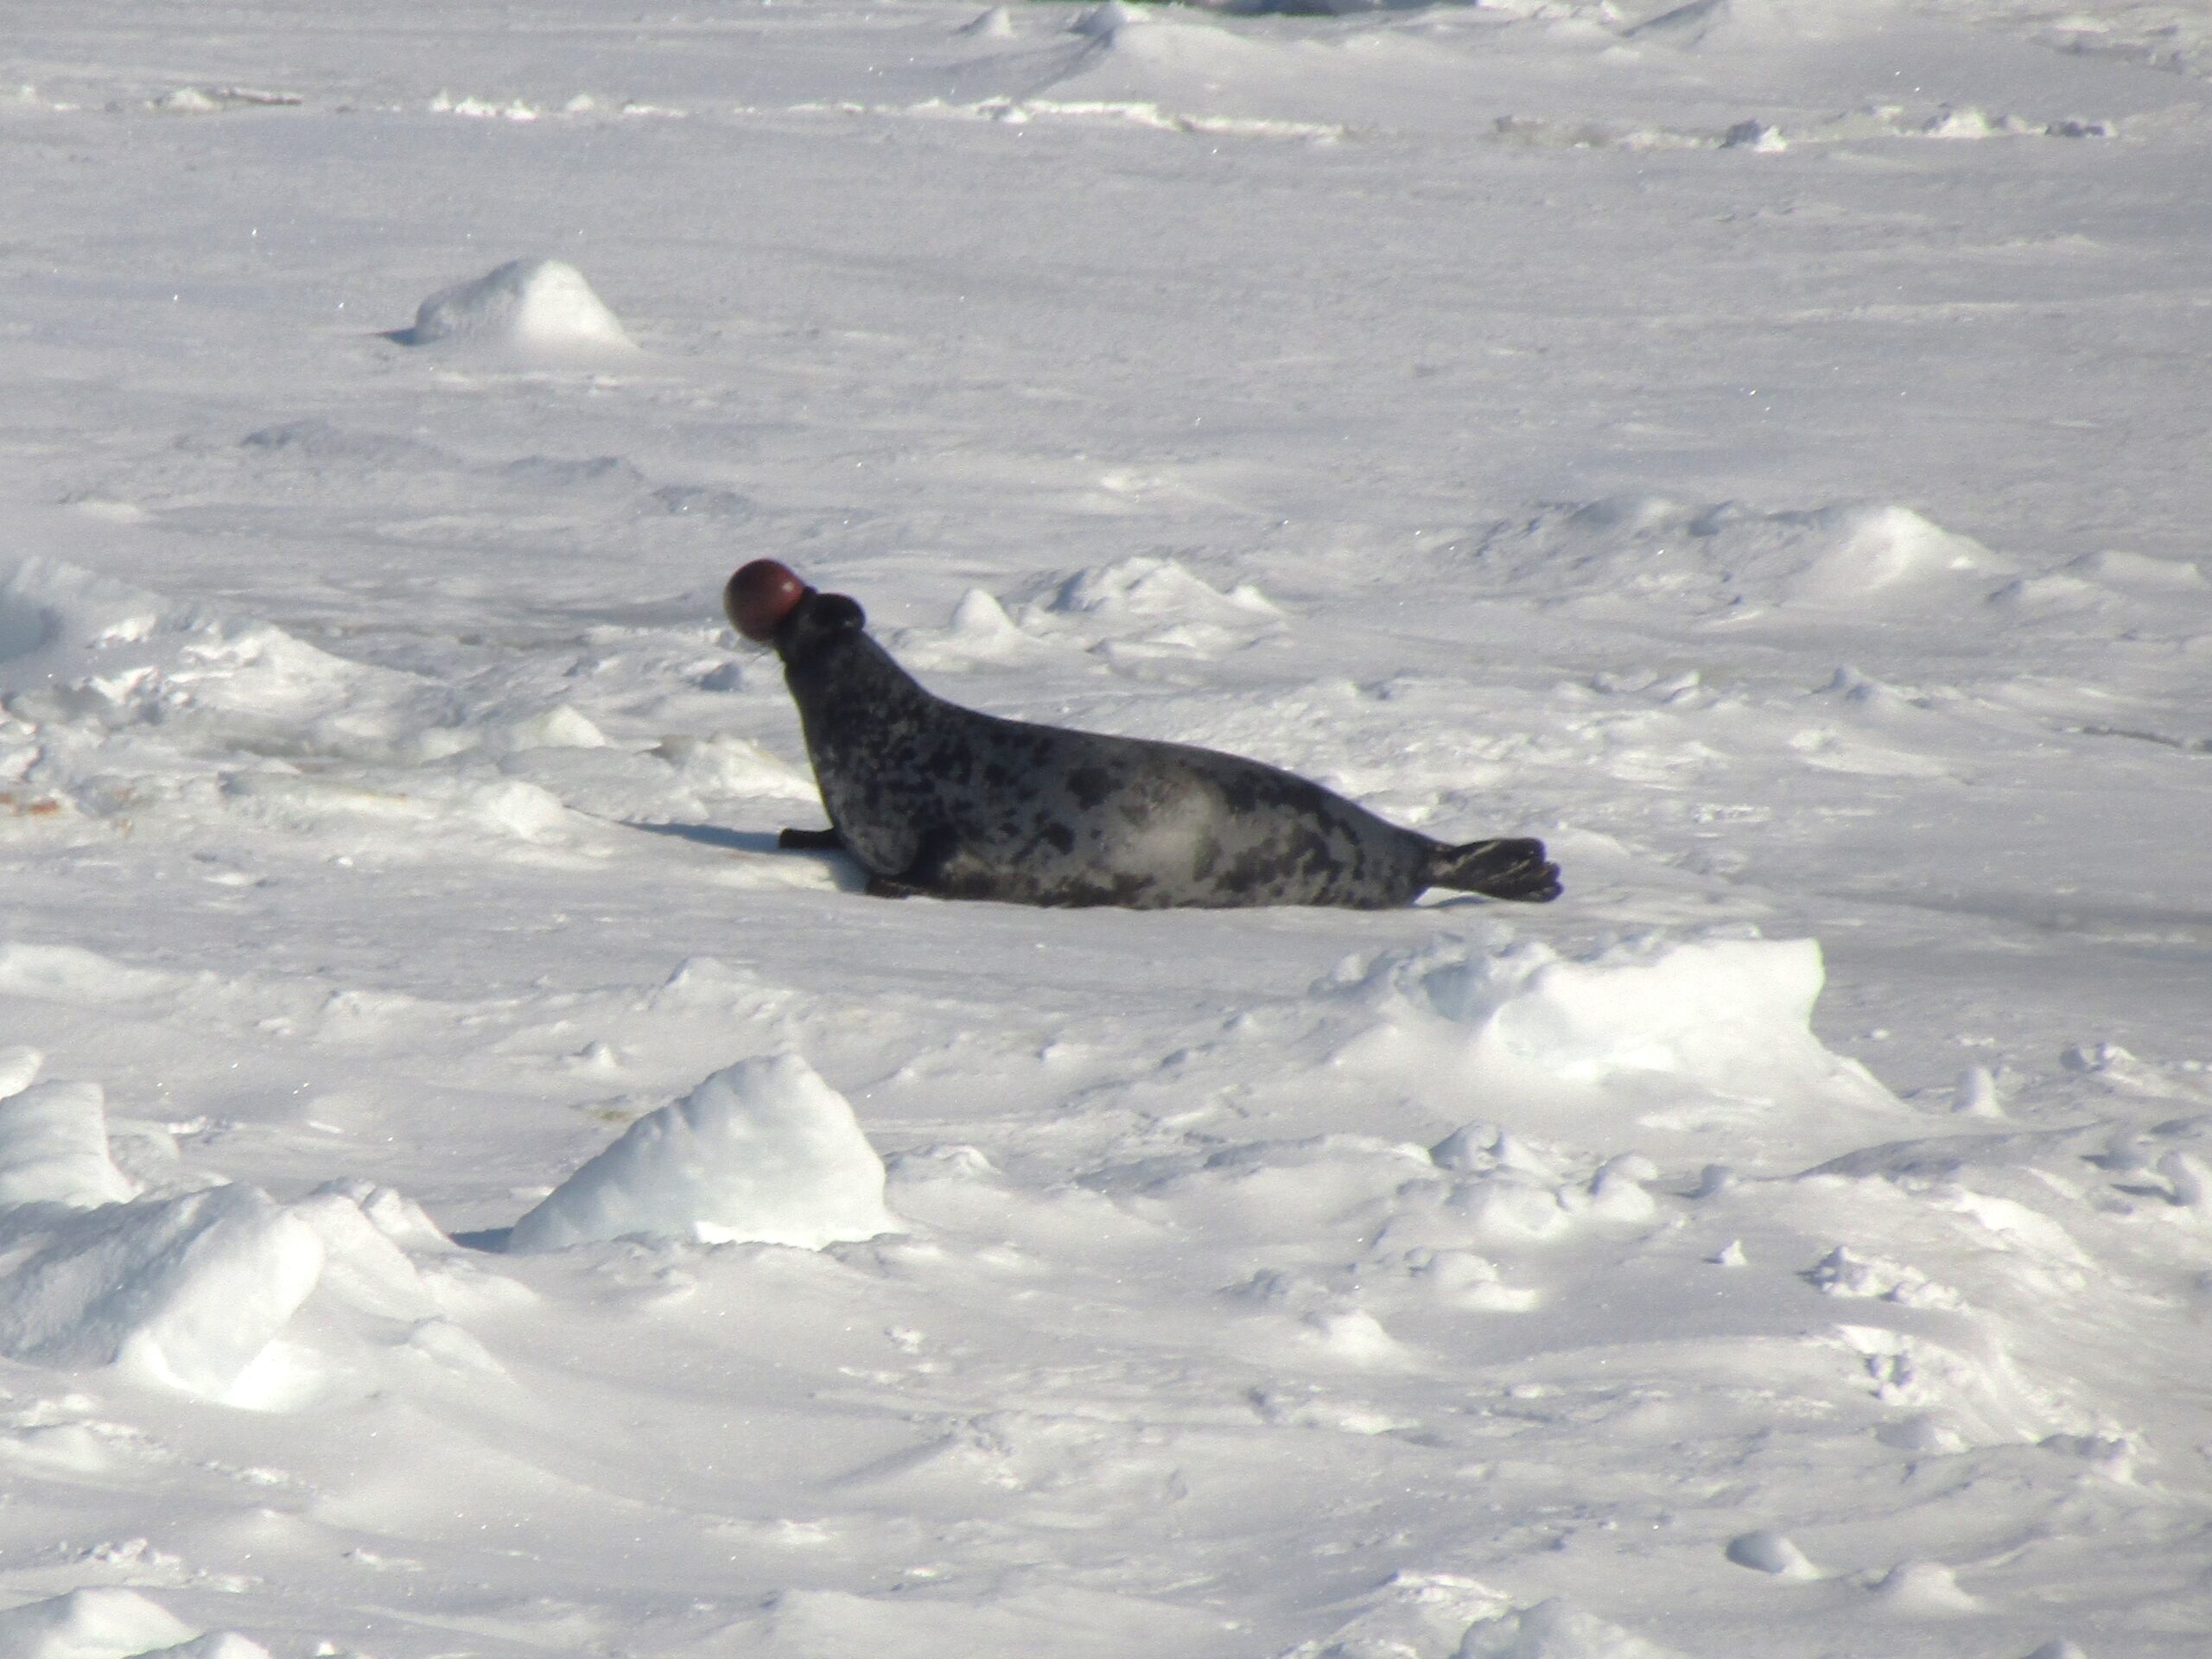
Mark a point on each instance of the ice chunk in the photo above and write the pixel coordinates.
(53, 1148)
(763, 1152)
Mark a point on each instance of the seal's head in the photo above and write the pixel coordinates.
(760, 596)
(771, 606)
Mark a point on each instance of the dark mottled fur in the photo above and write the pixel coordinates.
(931, 797)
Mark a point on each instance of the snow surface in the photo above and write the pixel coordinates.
(1758, 445)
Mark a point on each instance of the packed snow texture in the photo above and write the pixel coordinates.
(763, 1152)
(1755, 446)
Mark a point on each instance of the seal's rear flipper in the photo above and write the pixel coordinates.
(1515, 868)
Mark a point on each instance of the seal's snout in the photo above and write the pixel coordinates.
(760, 596)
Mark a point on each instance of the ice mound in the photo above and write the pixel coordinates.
(1138, 608)
(1645, 548)
(1143, 51)
(764, 1152)
(225, 1294)
(77, 648)
(1648, 1020)
(1927, 1588)
(981, 633)
(126, 703)
(19, 1067)
(318, 443)
(1851, 553)
(66, 972)
(216, 1644)
(1768, 1551)
(1102, 22)
(1174, 69)
(1151, 586)
(108, 1622)
(1412, 1613)
(723, 767)
(994, 24)
(200, 1291)
(183, 1292)
(1686, 1007)
(1684, 25)
(1555, 1629)
(1270, 1189)
(536, 307)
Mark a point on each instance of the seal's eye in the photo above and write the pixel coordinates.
(760, 596)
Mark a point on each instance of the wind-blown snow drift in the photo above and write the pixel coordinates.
(764, 1152)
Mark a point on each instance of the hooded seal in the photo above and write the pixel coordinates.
(930, 797)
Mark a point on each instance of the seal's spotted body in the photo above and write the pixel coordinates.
(931, 797)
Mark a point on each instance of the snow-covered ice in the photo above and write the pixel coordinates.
(1756, 445)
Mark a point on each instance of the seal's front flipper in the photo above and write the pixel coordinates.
(812, 841)
(885, 887)
(1513, 868)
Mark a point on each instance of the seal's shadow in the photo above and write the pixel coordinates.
(712, 835)
(849, 874)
